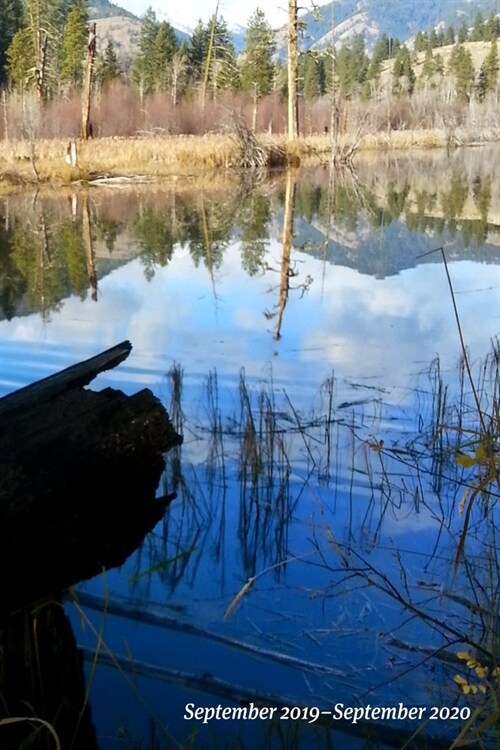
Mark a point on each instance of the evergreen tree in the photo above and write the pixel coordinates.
(223, 72)
(491, 66)
(20, 55)
(478, 29)
(143, 69)
(463, 33)
(197, 51)
(434, 39)
(438, 65)
(460, 65)
(10, 21)
(481, 85)
(402, 71)
(74, 43)
(379, 54)
(310, 71)
(165, 47)
(178, 67)
(36, 47)
(420, 42)
(109, 69)
(351, 66)
(432, 68)
(490, 28)
(449, 37)
(428, 68)
(382, 48)
(257, 70)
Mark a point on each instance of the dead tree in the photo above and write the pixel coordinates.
(86, 128)
(292, 70)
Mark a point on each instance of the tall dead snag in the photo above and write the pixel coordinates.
(286, 270)
(292, 70)
(86, 128)
(41, 64)
(89, 248)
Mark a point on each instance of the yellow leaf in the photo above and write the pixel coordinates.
(481, 454)
(464, 655)
(465, 461)
(460, 680)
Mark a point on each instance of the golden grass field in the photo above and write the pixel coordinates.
(22, 162)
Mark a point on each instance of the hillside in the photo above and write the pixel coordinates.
(123, 28)
(124, 31)
(340, 19)
(106, 9)
(478, 51)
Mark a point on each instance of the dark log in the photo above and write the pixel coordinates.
(48, 388)
(42, 676)
(79, 472)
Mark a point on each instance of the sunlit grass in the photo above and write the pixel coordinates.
(156, 157)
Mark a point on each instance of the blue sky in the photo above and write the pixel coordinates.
(185, 13)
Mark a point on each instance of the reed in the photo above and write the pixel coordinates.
(163, 156)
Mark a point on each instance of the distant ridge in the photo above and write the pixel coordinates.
(341, 19)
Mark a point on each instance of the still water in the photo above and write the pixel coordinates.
(301, 332)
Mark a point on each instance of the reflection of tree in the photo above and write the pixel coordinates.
(286, 250)
(396, 200)
(47, 252)
(253, 219)
(453, 199)
(153, 232)
(209, 232)
(89, 248)
(13, 284)
(107, 229)
(51, 259)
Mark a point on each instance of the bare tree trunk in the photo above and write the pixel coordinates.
(255, 106)
(41, 63)
(292, 71)
(286, 250)
(208, 62)
(86, 128)
(89, 248)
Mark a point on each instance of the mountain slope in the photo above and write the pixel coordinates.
(106, 9)
(397, 18)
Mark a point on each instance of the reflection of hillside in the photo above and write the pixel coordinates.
(431, 173)
(379, 220)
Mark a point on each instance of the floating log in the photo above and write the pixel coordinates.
(79, 472)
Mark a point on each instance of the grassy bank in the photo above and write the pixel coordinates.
(156, 157)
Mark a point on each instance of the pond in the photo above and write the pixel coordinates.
(306, 333)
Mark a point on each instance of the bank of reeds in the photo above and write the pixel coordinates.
(158, 156)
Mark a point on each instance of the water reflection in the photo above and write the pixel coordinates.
(52, 248)
(319, 491)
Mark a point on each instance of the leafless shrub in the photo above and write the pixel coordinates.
(117, 111)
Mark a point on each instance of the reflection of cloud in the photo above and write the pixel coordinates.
(346, 321)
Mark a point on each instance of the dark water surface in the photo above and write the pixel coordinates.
(302, 335)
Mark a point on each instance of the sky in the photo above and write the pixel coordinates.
(185, 13)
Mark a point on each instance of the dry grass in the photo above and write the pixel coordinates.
(161, 156)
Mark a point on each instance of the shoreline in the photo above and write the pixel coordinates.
(151, 158)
